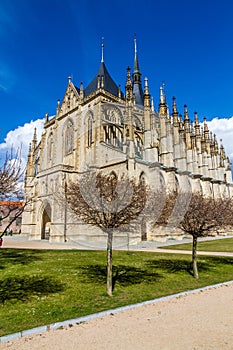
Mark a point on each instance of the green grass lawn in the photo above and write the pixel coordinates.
(218, 245)
(39, 287)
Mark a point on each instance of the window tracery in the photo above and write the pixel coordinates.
(69, 137)
(138, 145)
(50, 147)
(90, 130)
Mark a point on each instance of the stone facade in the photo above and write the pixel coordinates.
(101, 127)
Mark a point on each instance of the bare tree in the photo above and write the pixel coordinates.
(11, 172)
(11, 189)
(107, 202)
(203, 216)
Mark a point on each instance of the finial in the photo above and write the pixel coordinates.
(102, 59)
(162, 95)
(205, 126)
(196, 118)
(174, 107)
(46, 117)
(58, 102)
(69, 79)
(152, 104)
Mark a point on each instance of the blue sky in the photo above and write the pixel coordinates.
(187, 44)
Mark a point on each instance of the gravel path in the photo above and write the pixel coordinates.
(196, 321)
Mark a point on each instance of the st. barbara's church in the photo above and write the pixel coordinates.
(100, 126)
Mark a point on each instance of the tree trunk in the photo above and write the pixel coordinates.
(109, 263)
(194, 258)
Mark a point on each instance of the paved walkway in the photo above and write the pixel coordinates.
(201, 320)
(158, 247)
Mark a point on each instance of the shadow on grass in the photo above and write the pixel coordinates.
(204, 263)
(223, 260)
(178, 265)
(23, 288)
(13, 256)
(124, 275)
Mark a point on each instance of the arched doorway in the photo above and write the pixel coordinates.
(46, 222)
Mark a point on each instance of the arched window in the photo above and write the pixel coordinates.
(142, 179)
(50, 147)
(69, 137)
(113, 136)
(90, 131)
(138, 145)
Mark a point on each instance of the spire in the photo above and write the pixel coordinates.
(162, 104)
(212, 149)
(222, 150)
(128, 86)
(203, 143)
(102, 47)
(137, 84)
(136, 64)
(215, 145)
(34, 140)
(146, 94)
(197, 127)
(29, 149)
(193, 136)
(206, 130)
(175, 112)
(181, 125)
(152, 104)
(222, 154)
(186, 119)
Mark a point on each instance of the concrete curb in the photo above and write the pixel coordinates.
(53, 326)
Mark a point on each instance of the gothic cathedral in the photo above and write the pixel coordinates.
(100, 126)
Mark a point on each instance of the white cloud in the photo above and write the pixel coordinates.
(21, 137)
(223, 128)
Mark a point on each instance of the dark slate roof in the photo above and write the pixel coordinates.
(138, 94)
(109, 84)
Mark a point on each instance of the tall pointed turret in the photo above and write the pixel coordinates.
(128, 87)
(175, 112)
(34, 140)
(137, 84)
